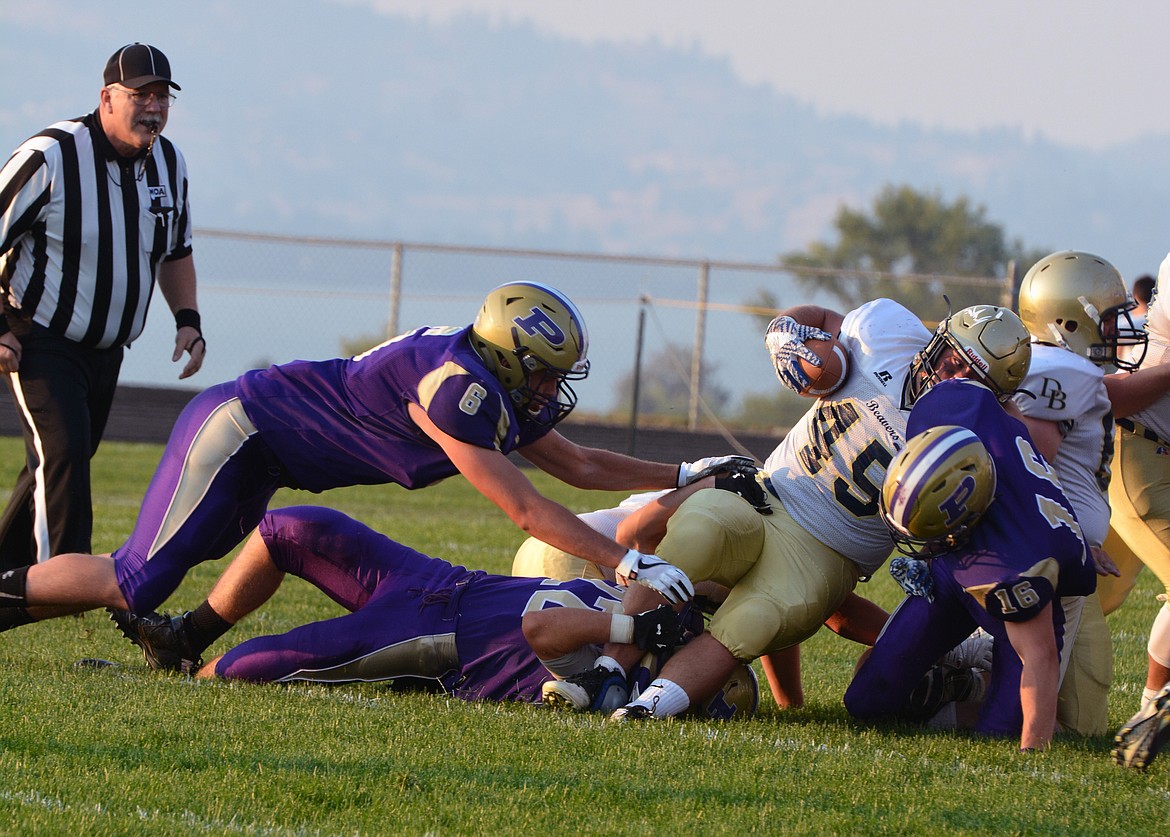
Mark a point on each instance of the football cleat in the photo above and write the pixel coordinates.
(163, 639)
(632, 712)
(941, 685)
(597, 689)
(1138, 742)
(976, 651)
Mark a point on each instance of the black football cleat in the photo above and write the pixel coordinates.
(162, 638)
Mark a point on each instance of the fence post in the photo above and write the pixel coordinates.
(1011, 282)
(697, 351)
(395, 289)
(633, 446)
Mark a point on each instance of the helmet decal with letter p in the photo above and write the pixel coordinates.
(533, 340)
(936, 489)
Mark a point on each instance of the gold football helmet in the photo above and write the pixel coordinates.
(534, 341)
(936, 489)
(990, 340)
(737, 700)
(1078, 301)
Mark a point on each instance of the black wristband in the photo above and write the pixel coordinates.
(187, 317)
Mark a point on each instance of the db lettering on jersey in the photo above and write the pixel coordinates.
(1051, 392)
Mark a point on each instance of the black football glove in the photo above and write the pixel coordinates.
(747, 487)
(656, 630)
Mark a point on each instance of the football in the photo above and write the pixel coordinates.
(834, 368)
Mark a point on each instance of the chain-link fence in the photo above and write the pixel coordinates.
(270, 299)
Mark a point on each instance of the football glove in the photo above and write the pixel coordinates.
(785, 341)
(913, 576)
(658, 575)
(748, 487)
(656, 630)
(689, 472)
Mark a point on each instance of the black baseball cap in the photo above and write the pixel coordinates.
(135, 65)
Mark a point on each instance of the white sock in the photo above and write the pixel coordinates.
(664, 698)
(1147, 696)
(611, 664)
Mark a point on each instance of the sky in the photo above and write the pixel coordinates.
(1085, 73)
(1081, 72)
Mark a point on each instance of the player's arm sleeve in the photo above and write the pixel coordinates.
(1021, 597)
(464, 407)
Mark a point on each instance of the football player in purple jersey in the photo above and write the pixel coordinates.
(971, 494)
(426, 405)
(413, 618)
(421, 623)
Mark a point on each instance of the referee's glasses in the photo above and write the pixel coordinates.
(141, 99)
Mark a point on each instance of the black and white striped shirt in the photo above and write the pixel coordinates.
(82, 231)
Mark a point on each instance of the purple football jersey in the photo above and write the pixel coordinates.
(1026, 552)
(344, 421)
(413, 619)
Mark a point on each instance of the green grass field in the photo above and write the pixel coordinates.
(129, 751)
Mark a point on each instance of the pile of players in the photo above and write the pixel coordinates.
(982, 452)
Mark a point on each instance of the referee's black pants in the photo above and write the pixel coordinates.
(62, 393)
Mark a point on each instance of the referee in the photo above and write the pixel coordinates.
(93, 211)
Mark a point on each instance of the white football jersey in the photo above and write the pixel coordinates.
(1158, 317)
(1157, 416)
(829, 469)
(1070, 391)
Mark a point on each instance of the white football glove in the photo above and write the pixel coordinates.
(656, 574)
(785, 341)
(689, 472)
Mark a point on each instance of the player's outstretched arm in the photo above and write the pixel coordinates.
(1035, 643)
(594, 468)
(1133, 391)
(494, 476)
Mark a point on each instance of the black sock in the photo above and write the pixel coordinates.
(13, 617)
(204, 626)
(12, 588)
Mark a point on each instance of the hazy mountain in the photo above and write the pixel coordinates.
(329, 120)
